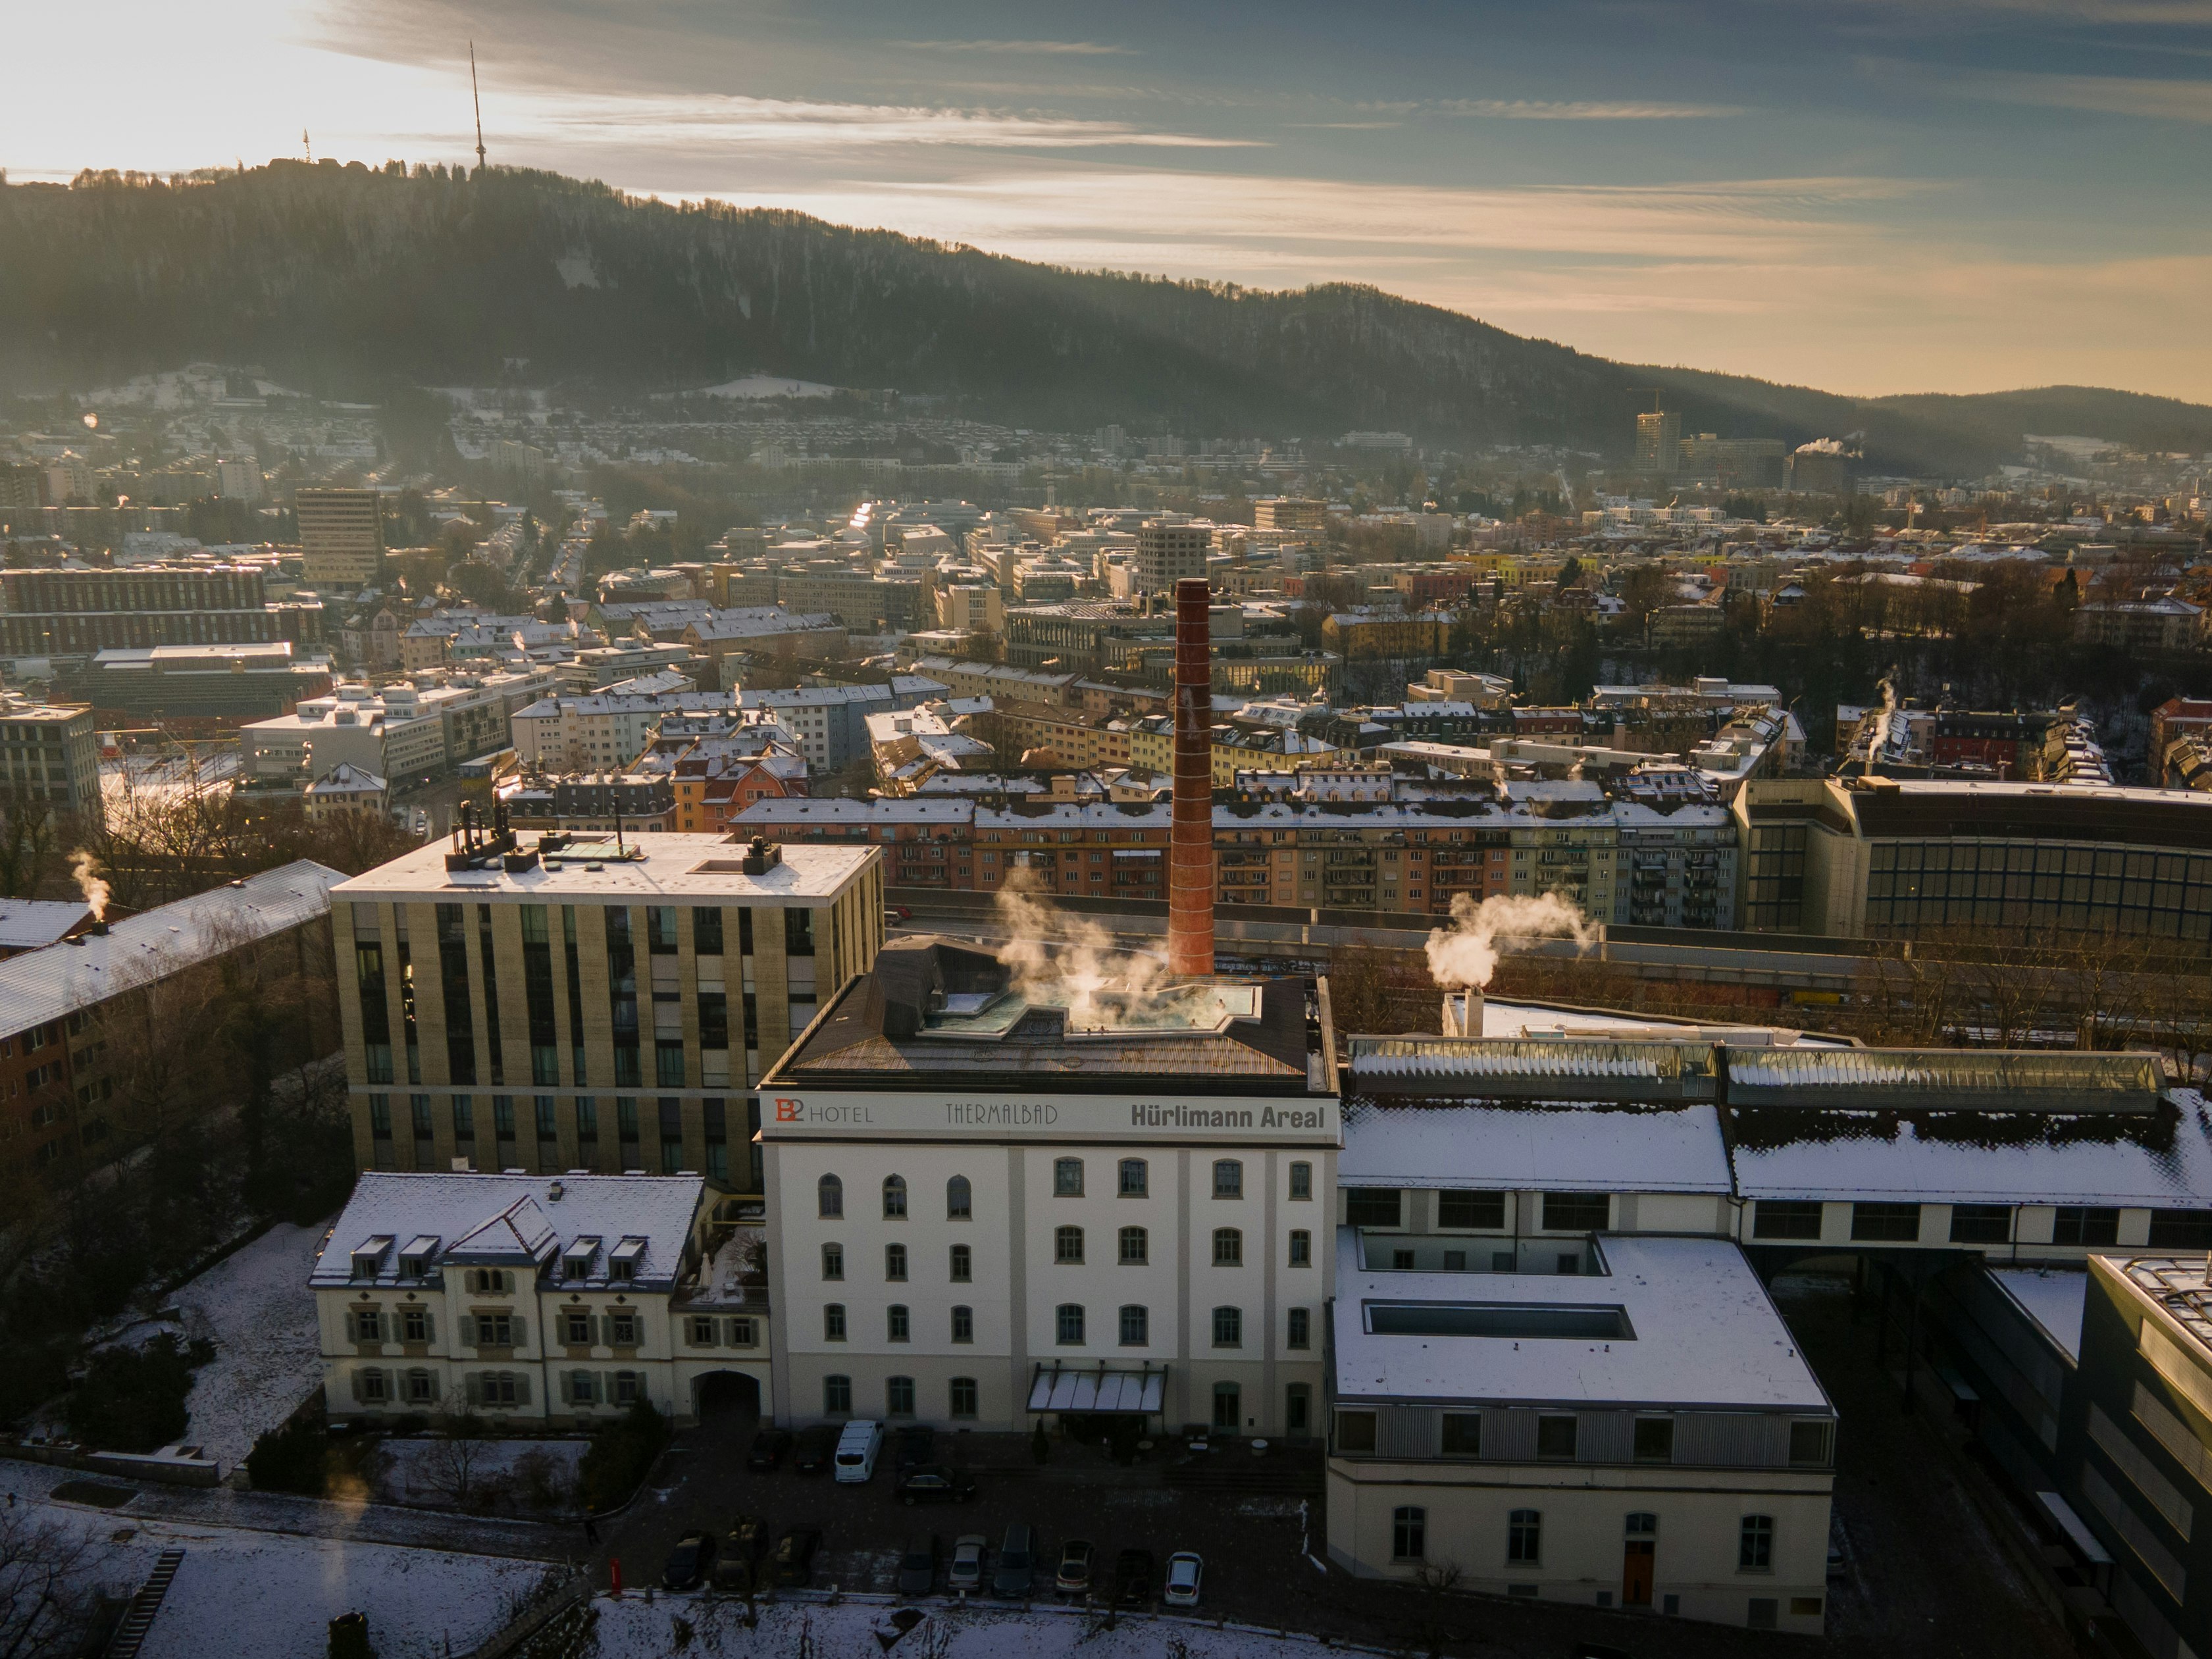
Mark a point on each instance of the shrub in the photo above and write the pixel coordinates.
(133, 1399)
(290, 1457)
(619, 1457)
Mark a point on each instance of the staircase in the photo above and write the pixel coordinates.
(138, 1618)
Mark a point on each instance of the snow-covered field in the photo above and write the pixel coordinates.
(256, 1308)
(269, 1596)
(634, 1628)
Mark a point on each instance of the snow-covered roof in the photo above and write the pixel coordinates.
(2052, 1297)
(513, 1220)
(33, 924)
(1556, 1148)
(1700, 1331)
(668, 867)
(46, 984)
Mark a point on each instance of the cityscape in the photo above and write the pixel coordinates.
(1361, 974)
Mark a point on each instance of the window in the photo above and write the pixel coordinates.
(368, 1325)
(1894, 1224)
(1555, 1439)
(1228, 1248)
(1370, 1207)
(1981, 1224)
(1777, 1217)
(833, 1261)
(898, 1396)
(1461, 1434)
(833, 1322)
(1301, 1248)
(1067, 1244)
(1067, 1323)
(895, 1262)
(1134, 1177)
(415, 1324)
(583, 1388)
(1524, 1536)
(962, 1265)
(963, 1401)
(894, 1198)
(421, 1387)
(622, 1330)
(830, 1197)
(1811, 1444)
(1135, 1246)
(1228, 1178)
(1654, 1440)
(836, 1396)
(1301, 1181)
(2077, 1225)
(963, 1324)
(1136, 1327)
(1577, 1212)
(1355, 1432)
(703, 1332)
(372, 1387)
(896, 1326)
(1228, 1327)
(1067, 1177)
(1470, 1210)
(959, 1200)
(707, 932)
(1228, 1406)
(1409, 1532)
(1754, 1549)
(1299, 1330)
(2180, 1229)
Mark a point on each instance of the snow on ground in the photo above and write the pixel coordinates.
(254, 1306)
(422, 1471)
(269, 1596)
(635, 1628)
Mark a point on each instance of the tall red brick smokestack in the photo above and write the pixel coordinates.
(1190, 859)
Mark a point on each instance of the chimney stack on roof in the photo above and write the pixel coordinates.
(1190, 857)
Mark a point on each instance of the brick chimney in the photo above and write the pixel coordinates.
(1190, 858)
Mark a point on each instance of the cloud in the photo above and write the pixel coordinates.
(1537, 109)
(2143, 97)
(1041, 48)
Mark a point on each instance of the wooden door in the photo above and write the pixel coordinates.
(1636, 1574)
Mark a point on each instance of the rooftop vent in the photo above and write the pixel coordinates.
(761, 855)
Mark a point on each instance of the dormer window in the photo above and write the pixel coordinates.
(623, 1262)
(576, 1260)
(415, 1261)
(368, 1256)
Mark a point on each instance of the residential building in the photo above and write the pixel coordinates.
(49, 758)
(604, 802)
(830, 722)
(1362, 635)
(346, 788)
(2155, 625)
(1659, 442)
(603, 731)
(1167, 553)
(392, 735)
(231, 684)
(50, 613)
(1289, 513)
(690, 964)
(341, 538)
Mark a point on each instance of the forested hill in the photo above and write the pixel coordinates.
(346, 281)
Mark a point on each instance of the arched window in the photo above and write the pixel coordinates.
(1067, 1177)
(1134, 1178)
(1228, 1247)
(1228, 1328)
(1136, 1327)
(959, 1198)
(1228, 1178)
(1068, 1322)
(837, 1395)
(964, 1395)
(833, 1322)
(1135, 1247)
(894, 1198)
(896, 1323)
(830, 1193)
(1067, 1244)
(963, 1324)
(898, 1396)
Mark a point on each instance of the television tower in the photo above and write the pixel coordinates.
(477, 101)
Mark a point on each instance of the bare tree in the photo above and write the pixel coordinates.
(455, 1463)
(50, 1596)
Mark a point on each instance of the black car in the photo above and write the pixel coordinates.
(1132, 1579)
(767, 1449)
(934, 1483)
(816, 1445)
(1017, 1573)
(689, 1562)
(915, 1443)
(917, 1573)
(792, 1563)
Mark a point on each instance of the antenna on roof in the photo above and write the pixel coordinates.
(477, 99)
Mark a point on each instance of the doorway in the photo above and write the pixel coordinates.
(1639, 1557)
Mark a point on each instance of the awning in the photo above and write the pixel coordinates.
(1060, 1388)
(2071, 1524)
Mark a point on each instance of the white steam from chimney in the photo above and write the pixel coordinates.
(83, 871)
(1081, 961)
(1466, 953)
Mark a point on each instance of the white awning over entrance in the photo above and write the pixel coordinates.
(1060, 1388)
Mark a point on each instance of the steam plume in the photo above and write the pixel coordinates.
(1466, 953)
(1087, 966)
(83, 869)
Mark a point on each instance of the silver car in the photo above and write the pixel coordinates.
(969, 1552)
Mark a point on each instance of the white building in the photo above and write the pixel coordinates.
(346, 788)
(533, 1297)
(352, 726)
(601, 732)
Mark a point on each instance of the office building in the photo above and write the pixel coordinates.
(1167, 553)
(49, 758)
(341, 539)
(1659, 442)
(229, 684)
(50, 613)
(591, 1006)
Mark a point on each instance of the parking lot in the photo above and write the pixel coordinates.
(1925, 1576)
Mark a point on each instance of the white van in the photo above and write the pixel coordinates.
(856, 1450)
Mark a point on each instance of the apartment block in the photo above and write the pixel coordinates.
(341, 538)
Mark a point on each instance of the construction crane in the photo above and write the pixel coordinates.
(477, 99)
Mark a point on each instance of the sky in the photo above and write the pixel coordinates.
(1870, 196)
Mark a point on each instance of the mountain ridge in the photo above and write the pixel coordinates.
(346, 280)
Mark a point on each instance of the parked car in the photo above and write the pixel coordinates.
(1132, 1579)
(768, 1449)
(915, 1443)
(970, 1555)
(856, 1452)
(1599, 1650)
(917, 1573)
(1016, 1572)
(792, 1563)
(689, 1562)
(1073, 1576)
(748, 1537)
(816, 1445)
(1185, 1570)
(735, 1572)
(932, 1483)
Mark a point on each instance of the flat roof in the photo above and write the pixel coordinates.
(1705, 1334)
(2052, 1297)
(1549, 1147)
(690, 868)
